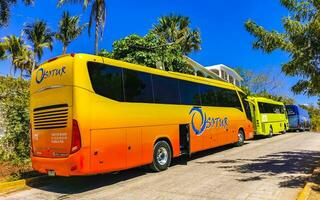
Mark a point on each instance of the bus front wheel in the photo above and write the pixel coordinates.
(161, 156)
(270, 132)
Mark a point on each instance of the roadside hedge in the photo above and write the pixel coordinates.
(14, 110)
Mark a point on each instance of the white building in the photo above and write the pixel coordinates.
(200, 70)
(226, 73)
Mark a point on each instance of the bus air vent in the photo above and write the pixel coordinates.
(50, 117)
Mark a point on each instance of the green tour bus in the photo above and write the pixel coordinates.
(269, 116)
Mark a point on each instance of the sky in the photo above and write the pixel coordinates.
(221, 23)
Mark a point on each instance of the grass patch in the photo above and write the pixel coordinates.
(13, 172)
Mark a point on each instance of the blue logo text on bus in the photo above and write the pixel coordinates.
(44, 74)
(206, 122)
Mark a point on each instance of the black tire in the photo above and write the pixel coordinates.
(270, 132)
(161, 156)
(285, 129)
(241, 138)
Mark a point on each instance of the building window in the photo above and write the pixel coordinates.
(215, 71)
(237, 83)
(224, 75)
(231, 79)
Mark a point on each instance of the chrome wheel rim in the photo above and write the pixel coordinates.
(240, 138)
(162, 156)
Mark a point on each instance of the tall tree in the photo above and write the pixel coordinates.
(40, 36)
(300, 39)
(97, 15)
(69, 30)
(5, 10)
(24, 60)
(14, 46)
(176, 29)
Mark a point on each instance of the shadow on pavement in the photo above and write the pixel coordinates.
(74, 185)
(291, 167)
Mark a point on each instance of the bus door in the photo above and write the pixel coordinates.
(184, 133)
(253, 114)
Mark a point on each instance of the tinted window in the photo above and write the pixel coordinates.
(270, 108)
(137, 86)
(228, 98)
(189, 93)
(291, 110)
(208, 95)
(166, 90)
(106, 80)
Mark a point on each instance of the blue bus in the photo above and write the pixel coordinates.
(299, 119)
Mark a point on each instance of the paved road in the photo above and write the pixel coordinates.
(273, 168)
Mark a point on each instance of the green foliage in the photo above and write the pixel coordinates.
(314, 113)
(176, 29)
(69, 30)
(300, 39)
(150, 51)
(14, 104)
(5, 10)
(41, 37)
(98, 15)
(14, 47)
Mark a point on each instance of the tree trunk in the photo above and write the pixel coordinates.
(21, 73)
(96, 40)
(10, 73)
(34, 61)
(64, 49)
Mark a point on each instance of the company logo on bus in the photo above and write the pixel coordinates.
(206, 122)
(43, 74)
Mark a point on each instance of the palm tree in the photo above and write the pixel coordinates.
(40, 36)
(176, 29)
(13, 46)
(24, 60)
(97, 14)
(69, 30)
(5, 10)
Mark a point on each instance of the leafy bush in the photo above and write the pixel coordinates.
(150, 51)
(14, 107)
(314, 113)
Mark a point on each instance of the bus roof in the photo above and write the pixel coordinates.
(142, 68)
(266, 100)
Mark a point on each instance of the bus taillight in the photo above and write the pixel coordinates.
(76, 137)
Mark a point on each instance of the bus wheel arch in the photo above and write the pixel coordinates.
(162, 154)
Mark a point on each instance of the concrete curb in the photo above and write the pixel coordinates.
(304, 195)
(19, 184)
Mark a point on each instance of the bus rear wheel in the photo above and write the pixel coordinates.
(270, 132)
(285, 129)
(161, 156)
(241, 138)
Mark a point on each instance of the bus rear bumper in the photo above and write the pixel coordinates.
(72, 165)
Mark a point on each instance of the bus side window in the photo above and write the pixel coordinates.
(166, 90)
(106, 80)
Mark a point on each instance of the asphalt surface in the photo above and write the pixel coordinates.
(273, 168)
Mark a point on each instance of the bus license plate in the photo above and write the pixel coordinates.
(51, 173)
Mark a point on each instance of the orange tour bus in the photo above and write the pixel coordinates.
(93, 115)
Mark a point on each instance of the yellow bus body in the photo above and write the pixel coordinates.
(114, 135)
(270, 121)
